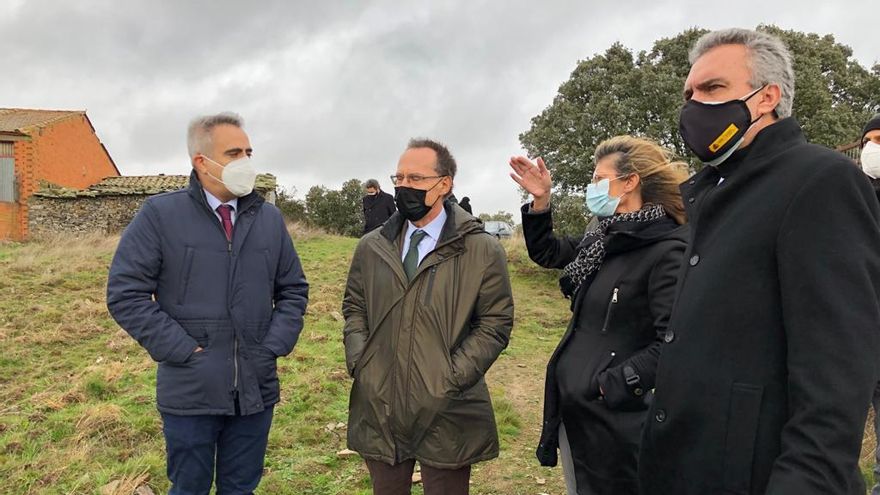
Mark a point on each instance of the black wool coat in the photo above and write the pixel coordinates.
(774, 341)
(616, 330)
(377, 209)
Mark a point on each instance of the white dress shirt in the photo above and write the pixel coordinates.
(213, 202)
(429, 242)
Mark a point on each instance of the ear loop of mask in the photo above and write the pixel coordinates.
(759, 117)
(215, 163)
(726, 155)
(431, 189)
(667, 164)
(618, 198)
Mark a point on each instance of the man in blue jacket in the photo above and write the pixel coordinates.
(207, 280)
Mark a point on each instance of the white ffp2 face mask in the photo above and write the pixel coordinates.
(871, 159)
(238, 176)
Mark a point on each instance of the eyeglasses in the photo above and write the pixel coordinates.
(414, 179)
(596, 178)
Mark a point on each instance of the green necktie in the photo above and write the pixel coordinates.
(411, 260)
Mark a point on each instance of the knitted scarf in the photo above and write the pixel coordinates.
(591, 250)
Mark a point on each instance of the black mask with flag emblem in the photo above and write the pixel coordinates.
(713, 131)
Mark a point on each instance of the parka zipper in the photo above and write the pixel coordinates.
(419, 292)
(234, 337)
(608, 312)
(412, 340)
(430, 285)
(234, 340)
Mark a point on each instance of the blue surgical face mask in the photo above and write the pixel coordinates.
(599, 200)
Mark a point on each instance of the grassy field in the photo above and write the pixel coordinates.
(78, 413)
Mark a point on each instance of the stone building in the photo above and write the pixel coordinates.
(109, 205)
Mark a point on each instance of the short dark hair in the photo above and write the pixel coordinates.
(372, 184)
(445, 161)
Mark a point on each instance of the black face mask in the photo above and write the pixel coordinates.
(714, 130)
(411, 202)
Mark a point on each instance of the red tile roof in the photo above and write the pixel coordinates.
(19, 120)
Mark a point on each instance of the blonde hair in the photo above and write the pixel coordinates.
(659, 175)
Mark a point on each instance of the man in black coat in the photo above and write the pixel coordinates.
(773, 342)
(378, 205)
(870, 162)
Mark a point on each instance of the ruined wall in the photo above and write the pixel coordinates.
(80, 214)
(108, 214)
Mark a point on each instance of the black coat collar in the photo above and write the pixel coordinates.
(772, 140)
(626, 236)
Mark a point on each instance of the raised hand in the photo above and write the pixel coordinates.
(533, 178)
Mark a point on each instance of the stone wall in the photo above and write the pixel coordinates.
(50, 215)
(107, 214)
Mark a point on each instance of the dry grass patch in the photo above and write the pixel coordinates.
(127, 485)
(86, 309)
(869, 442)
(102, 425)
(120, 340)
(301, 232)
(74, 253)
(52, 401)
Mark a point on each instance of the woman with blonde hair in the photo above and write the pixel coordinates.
(621, 279)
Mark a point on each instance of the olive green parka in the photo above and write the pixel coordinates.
(418, 350)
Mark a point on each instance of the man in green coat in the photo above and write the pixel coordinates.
(428, 308)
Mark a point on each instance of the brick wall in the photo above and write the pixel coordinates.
(67, 153)
(28, 183)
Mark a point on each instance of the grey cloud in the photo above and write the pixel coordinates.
(332, 90)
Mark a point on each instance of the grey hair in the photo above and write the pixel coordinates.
(768, 59)
(198, 135)
(372, 184)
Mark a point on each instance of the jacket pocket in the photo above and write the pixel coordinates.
(742, 428)
(182, 386)
(362, 361)
(593, 391)
(270, 274)
(265, 368)
(187, 268)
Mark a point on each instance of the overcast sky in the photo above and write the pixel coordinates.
(332, 90)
